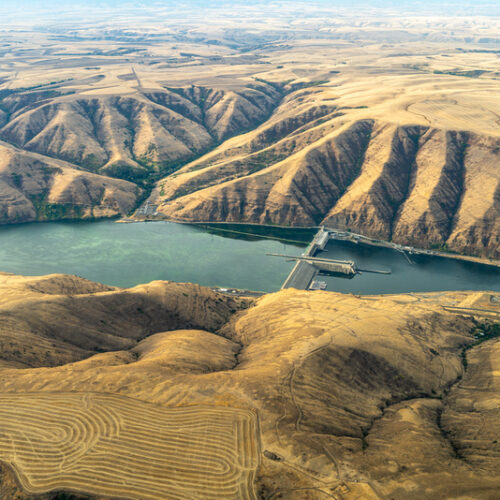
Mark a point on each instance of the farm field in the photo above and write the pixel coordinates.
(110, 445)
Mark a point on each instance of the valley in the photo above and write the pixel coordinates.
(164, 168)
(386, 128)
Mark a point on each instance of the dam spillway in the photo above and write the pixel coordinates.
(308, 266)
(330, 265)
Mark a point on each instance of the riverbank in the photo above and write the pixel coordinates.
(365, 240)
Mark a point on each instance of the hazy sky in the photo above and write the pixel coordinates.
(32, 8)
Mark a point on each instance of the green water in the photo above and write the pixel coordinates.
(223, 255)
(129, 254)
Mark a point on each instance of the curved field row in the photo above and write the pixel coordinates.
(106, 444)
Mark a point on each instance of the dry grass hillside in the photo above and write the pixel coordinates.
(37, 188)
(377, 168)
(96, 317)
(386, 123)
(294, 395)
(124, 136)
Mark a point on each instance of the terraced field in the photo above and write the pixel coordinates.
(112, 445)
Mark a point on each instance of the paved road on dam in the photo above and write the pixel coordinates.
(301, 276)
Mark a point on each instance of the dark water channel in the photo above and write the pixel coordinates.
(426, 274)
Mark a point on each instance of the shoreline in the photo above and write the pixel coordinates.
(405, 249)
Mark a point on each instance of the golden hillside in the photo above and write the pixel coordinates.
(293, 395)
(61, 154)
(97, 317)
(34, 187)
(378, 167)
(124, 136)
(385, 123)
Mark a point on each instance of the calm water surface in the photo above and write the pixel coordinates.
(426, 274)
(129, 254)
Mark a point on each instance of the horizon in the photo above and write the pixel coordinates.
(19, 11)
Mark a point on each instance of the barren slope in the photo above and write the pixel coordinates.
(129, 136)
(37, 188)
(401, 176)
(357, 397)
(55, 141)
(97, 317)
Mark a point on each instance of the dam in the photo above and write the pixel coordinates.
(346, 267)
(308, 265)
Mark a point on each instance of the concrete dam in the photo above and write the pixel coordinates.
(347, 267)
(308, 266)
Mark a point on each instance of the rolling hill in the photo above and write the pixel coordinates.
(386, 125)
(296, 394)
(61, 154)
(38, 188)
(128, 136)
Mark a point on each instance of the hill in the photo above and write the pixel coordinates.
(387, 125)
(379, 168)
(296, 394)
(125, 136)
(37, 188)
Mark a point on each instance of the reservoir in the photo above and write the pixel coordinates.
(220, 256)
(129, 254)
(426, 274)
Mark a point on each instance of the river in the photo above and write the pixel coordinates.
(128, 254)
(425, 274)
